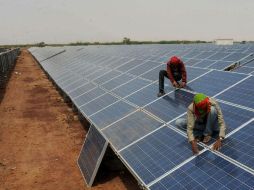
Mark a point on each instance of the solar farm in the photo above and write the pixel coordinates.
(115, 89)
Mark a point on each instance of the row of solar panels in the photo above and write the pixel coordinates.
(121, 103)
(7, 62)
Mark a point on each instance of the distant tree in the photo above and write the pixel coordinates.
(126, 40)
(41, 44)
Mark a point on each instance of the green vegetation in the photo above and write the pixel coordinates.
(125, 41)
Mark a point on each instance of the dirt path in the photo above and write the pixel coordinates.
(39, 139)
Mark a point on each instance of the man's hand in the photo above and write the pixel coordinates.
(217, 145)
(183, 84)
(194, 147)
(175, 84)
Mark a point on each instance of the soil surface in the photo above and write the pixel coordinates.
(41, 137)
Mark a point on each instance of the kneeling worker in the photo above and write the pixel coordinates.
(175, 72)
(204, 119)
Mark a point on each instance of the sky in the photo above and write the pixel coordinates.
(65, 21)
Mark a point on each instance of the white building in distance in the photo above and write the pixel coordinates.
(224, 41)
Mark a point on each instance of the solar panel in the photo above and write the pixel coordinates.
(75, 85)
(234, 57)
(243, 69)
(130, 129)
(214, 82)
(207, 171)
(204, 63)
(117, 81)
(91, 154)
(220, 65)
(130, 87)
(157, 153)
(130, 65)
(171, 105)
(151, 150)
(88, 96)
(145, 95)
(107, 76)
(98, 104)
(241, 93)
(143, 68)
(111, 114)
(218, 56)
(153, 74)
(81, 90)
(239, 146)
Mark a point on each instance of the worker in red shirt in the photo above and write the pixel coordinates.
(175, 72)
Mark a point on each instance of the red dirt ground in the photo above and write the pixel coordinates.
(40, 137)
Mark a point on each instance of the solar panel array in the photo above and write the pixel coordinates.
(115, 88)
(7, 63)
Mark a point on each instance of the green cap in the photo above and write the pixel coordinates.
(199, 98)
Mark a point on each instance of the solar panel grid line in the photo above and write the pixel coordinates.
(126, 70)
(223, 175)
(247, 76)
(235, 105)
(76, 97)
(174, 169)
(93, 99)
(239, 128)
(107, 126)
(134, 142)
(119, 97)
(152, 115)
(236, 163)
(126, 62)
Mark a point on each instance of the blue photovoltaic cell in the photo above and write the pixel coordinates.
(235, 57)
(214, 82)
(171, 105)
(193, 73)
(143, 68)
(98, 104)
(146, 95)
(117, 81)
(241, 94)
(204, 63)
(244, 69)
(91, 154)
(218, 56)
(220, 65)
(154, 74)
(130, 65)
(130, 129)
(250, 64)
(97, 73)
(191, 54)
(130, 87)
(81, 90)
(117, 63)
(75, 85)
(239, 146)
(157, 153)
(68, 81)
(111, 114)
(84, 98)
(191, 62)
(207, 171)
(106, 77)
(204, 55)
